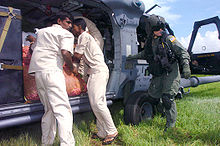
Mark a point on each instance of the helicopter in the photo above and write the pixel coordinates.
(117, 21)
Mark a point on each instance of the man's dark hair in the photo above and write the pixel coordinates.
(80, 22)
(61, 15)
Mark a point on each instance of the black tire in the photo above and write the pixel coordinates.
(126, 90)
(138, 107)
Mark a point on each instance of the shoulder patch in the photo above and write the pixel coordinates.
(172, 39)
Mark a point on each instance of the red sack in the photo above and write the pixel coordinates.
(75, 85)
(30, 89)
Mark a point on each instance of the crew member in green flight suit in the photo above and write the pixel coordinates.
(165, 56)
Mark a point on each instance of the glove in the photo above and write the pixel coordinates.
(186, 71)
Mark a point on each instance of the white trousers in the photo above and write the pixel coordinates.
(52, 92)
(97, 89)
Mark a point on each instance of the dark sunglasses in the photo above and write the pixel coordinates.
(158, 27)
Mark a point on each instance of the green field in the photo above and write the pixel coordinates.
(198, 123)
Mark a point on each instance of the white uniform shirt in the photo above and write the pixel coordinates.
(93, 30)
(47, 50)
(92, 54)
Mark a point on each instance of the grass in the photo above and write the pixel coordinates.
(198, 123)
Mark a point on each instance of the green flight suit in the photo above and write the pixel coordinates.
(166, 83)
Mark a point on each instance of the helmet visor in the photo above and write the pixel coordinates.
(158, 27)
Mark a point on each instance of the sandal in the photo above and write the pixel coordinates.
(109, 139)
(95, 136)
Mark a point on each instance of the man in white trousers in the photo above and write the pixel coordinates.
(98, 72)
(53, 46)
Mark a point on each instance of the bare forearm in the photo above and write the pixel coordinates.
(68, 59)
(77, 56)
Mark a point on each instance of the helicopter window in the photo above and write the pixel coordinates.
(206, 40)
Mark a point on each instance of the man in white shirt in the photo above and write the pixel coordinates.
(89, 50)
(53, 46)
(95, 33)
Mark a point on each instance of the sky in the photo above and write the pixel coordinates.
(181, 15)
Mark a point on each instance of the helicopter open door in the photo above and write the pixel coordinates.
(206, 61)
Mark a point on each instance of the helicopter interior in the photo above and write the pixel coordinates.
(35, 13)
